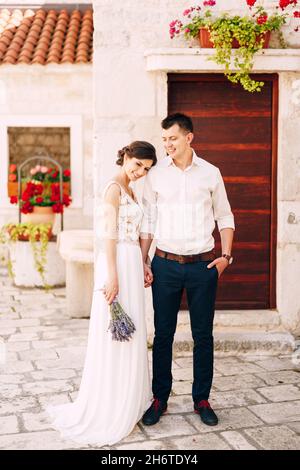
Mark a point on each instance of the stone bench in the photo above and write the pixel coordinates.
(76, 248)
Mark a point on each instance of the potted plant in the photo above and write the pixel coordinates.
(38, 173)
(38, 235)
(247, 34)
(41, 200)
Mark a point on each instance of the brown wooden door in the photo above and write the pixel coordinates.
(237, 131)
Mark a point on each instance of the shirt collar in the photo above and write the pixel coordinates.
(167, 161)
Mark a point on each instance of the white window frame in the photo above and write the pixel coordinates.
(74, 122)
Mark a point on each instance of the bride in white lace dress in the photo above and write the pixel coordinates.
(115, 386)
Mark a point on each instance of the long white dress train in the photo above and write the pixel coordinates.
(115, 386)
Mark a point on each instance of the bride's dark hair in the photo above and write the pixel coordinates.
(138, 149)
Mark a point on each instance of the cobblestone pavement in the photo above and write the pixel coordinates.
(257, 398)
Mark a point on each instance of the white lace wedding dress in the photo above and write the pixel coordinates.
(115, 386)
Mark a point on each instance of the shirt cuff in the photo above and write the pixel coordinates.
(226, 222)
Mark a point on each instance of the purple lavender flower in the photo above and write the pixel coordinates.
(121, 326)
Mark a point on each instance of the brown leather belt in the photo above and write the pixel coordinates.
(182, 259)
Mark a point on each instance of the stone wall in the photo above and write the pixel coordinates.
(130, 102)
(52, 90)
(25, 142)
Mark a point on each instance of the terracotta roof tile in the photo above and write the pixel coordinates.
(45, 36)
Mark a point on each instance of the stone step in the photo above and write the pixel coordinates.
(254, 342)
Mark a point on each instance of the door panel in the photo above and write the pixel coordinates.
(237, 131)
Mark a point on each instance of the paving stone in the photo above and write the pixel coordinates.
(16, 367)
(231, 418)
(145, 445)
(12, 378)
(180, 404)
(182, 388)
(38, 329)
(9, 425)
(184, 362)
(18, 346)
(57, 334)
(280, 392)
(281, 412)
(10, 391)
(232, 399)
(183, 374)
(39, 314)
(284, 376)
(18, 404)
(36, 421)
(53, 399)
(199, 442)
(237, 382)
(23, 337)
(36, 354)
(19, 322)
(8, 331)
(237, 369)
(74, 395)
(295, 427)
(136, 435)
(274, 438)
(53, 374)
(169, 425)
(275, 363)
(44, 440)
(237, 441)
(73, 363)
(77, 352)
(11, 357)
(49, 386)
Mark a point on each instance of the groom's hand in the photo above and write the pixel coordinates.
(148, 276)
(220, 263)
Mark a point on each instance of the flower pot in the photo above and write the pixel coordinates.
(204, 38)
(12, 188)
(40, 215)
(66, 188)
(24, 269)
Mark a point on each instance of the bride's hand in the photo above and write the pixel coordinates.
(111, 288)
(148, 276)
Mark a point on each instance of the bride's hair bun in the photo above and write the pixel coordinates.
(121, 154)
(138, 149)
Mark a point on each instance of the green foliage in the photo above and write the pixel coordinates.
(248, 31)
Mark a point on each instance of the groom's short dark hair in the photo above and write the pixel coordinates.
(183, 121)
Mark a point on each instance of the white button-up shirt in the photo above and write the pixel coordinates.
(181, 206)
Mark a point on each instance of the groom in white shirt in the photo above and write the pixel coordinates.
(183, 197)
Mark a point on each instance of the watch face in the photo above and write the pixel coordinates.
(230, 260)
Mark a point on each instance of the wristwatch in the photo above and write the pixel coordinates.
(228, 257)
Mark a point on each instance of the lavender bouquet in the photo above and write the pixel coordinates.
(121, 326)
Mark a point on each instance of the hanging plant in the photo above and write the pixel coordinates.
(236, 39)
(38, 235)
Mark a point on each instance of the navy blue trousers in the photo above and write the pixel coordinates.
(170, 278)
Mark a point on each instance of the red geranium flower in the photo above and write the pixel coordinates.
(58, 208)
(12, 168)
(262, 19)
(13, 199)
(250, 3)
(67, 172)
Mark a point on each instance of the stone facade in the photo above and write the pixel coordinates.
(52, 95)
(130, 101)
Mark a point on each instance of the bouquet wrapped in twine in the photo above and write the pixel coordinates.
(121, 326)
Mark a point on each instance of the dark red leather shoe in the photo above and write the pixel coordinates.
(207, 414)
